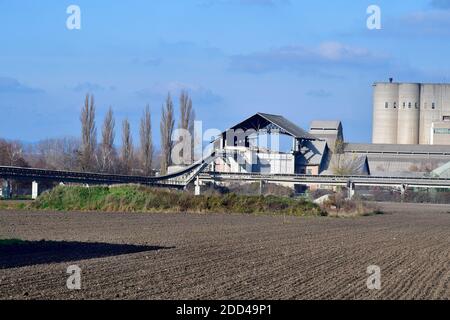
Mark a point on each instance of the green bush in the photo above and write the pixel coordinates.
(131, 198)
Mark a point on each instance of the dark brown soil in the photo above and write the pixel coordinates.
(175, 256)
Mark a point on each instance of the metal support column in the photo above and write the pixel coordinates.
(197, 186)
(6, 189)
(351, 186)
(403, 190)
(34, 190)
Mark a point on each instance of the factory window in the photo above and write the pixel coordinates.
(442, 131)
(386, 105)
(433, 106)
(395, 105)
(409, 105)
(404, 105)
(416, 105)
(446, 118)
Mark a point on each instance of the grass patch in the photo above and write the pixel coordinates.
(338, 206)
(10, 242)
(14, 205)
(132, 198)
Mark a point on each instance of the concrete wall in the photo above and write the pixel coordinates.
(251, 161)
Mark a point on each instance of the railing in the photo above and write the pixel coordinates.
(182, 178)
(330, 179)
(177, 179)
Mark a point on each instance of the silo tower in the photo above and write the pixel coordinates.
(408, 113)
(385, 112)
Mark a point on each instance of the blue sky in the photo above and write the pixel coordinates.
(302, 59)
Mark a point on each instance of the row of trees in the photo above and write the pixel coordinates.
(11, 154)
(86, 154)
(105, 158)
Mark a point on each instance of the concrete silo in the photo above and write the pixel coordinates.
(385, 112)
(411, 113)
(408, 113)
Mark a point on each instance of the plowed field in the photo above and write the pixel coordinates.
(176, 256)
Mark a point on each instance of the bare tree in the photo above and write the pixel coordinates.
(107, 150)
(57, 154)
(88, 135)
(127, 148)
(146, 151)
(166, 127)
(187, 117)
(11, 154)
(339, 146)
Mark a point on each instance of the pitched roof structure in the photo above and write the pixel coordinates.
(397, 149)
(442, 171)
(264, 121)
(313, 153)
(325, 124)
(354, 163)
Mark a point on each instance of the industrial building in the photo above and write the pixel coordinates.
(401, 160)
(411, 138)
(243, 152)
(314, 152)
(411, 113)
(330, 131)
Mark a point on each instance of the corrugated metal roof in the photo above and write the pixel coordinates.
(313, 152)
(397, 148)
(356, 163)
(288, 126)
(325, 124)
(261, 120)
(442, 171)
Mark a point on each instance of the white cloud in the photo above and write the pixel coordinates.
(440, 4)
(319, 93)
(297, 57)
(11, 85)
(199, 94)
(90, 87)
(263, 3)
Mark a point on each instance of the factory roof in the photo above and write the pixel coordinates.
(400, 82)
(355, 164)
(442, 171)
(325, 124)
(313, 152)
(264, 121)
(397, 148)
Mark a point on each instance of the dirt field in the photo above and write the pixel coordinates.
(151, 256)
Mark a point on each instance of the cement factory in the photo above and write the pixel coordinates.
(410, 138)
(410, 148)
